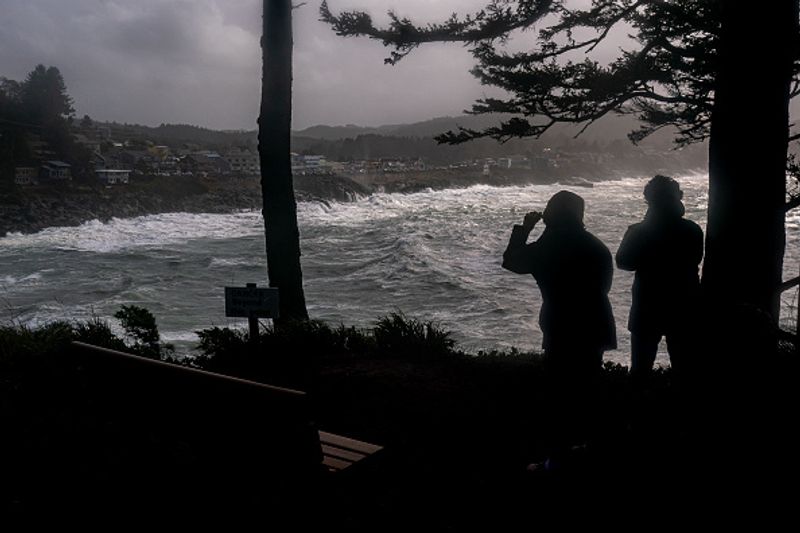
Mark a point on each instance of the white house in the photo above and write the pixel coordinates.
(113, 176)
(310, 164)
(26, 175)
(244, 162)
(56, 170)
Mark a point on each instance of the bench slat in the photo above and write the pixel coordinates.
(341, 453)
(335, 465)
(358, 446)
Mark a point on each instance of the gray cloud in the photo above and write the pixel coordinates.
(198, 61)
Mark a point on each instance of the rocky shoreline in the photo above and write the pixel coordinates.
(33, 209)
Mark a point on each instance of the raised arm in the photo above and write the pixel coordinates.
(520, 256)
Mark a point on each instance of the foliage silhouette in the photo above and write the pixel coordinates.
(140, 327)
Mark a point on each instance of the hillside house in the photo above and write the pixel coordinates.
(56, 171)
(205, 163)
(244, 162)
(303, 165)
(142, 161)
(26, 176)
(110, 176)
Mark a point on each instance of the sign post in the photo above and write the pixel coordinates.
(251, 303)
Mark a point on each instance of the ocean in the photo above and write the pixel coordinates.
(433, 255)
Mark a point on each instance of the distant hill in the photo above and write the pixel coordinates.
(605, 130)
(399, 140)
(335, 133)
(426, 128)
(178, 135)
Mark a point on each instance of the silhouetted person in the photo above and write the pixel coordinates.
(574, 271)
(665, 251)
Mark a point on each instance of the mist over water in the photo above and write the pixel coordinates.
(433, 255)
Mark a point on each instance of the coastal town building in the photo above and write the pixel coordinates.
(244, 162)
(337, 167)
(304, 165)
(26, 176)
(205, 163)
(159, 152)
(111, 176)
(514, 161)
(402, 165)
(169, 166)
(141, 161)
(56, 171)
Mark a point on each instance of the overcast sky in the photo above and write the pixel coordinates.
(198, 61)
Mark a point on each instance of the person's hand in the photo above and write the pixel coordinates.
(531, 219)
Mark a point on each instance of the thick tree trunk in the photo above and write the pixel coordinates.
(739, 399)
(279, 207)
(745, 238)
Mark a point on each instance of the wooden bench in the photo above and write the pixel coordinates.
(190, 429)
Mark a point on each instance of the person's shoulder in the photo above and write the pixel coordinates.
(637, 227)
(691, 225)
(596, 243)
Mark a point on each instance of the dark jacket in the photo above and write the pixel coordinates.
(665, 252)
(574, 272)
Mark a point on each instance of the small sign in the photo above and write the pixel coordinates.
(251, 302)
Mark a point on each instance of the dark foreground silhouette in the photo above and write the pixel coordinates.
(574, 272)
(458, 431)
(664, 250)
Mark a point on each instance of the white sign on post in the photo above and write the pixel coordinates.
(251, 302)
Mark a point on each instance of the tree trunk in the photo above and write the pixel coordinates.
(737, 399)
(279, 205)
(745, 237)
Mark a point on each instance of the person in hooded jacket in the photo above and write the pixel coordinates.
(664, 250)
(574, 271)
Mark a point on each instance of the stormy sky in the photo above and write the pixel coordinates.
(198, 61)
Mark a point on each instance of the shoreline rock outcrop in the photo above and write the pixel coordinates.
(33, 209)
(28, 210)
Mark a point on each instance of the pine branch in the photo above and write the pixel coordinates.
(603, 16)
(495, 21)
(513, 128)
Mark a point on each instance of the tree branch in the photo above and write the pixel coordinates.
(495, 21)
(668, 81)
